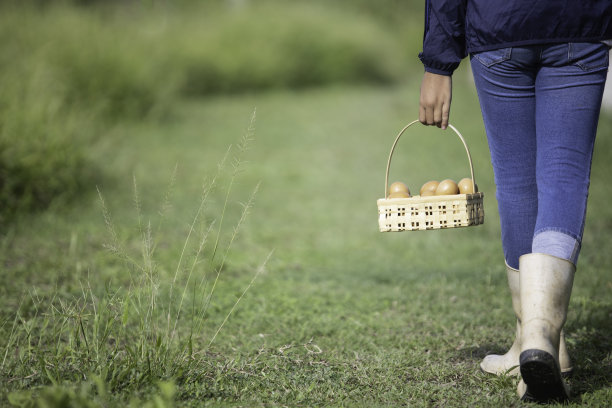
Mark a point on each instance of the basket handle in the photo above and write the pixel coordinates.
(397, 139)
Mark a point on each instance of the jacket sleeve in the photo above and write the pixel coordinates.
(444, 39)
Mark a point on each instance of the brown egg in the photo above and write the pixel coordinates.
(447, 187)
(466, 186)
(429, 188)
(399, 194)
(399, 187)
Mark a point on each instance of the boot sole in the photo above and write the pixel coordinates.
(543, 377)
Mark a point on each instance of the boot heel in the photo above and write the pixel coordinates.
(542, 376)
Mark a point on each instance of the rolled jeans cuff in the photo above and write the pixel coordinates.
(556, 243)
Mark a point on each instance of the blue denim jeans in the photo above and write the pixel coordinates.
(540, 106)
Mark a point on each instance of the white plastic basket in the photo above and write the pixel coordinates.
(430, 212)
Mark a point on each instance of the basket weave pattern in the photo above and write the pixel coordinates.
(430, 212)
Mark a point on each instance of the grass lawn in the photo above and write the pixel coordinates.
(341, 315)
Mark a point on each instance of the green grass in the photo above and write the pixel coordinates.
(341, 315)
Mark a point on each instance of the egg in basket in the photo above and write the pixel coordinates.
(439, 205)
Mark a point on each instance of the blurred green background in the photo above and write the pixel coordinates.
(69, 70)
(107, 298)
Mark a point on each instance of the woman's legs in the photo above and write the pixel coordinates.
(569, 89)
(505, 81)
(540, 106)
(557, 90)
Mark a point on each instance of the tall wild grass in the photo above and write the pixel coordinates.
(154, 329)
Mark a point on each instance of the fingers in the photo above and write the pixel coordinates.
(445, 115)
(437, 115)
(429, 113)
(433, 114)
(422, 114)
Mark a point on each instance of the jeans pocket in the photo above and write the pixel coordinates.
(490, 58)
(588, 56)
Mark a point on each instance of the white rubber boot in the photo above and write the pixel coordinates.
(545, 288)
(508, 363)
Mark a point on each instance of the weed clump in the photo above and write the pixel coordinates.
(157, 326)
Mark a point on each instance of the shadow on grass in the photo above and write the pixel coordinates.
(590, 345)
(475, 354)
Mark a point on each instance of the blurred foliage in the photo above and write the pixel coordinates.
(389, 9)
(70, 68)
(42, 155)
(293, 47)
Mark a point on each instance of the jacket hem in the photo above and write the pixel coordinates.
(539, 41)
(438, 71)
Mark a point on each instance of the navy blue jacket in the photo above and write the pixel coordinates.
(455, 28)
